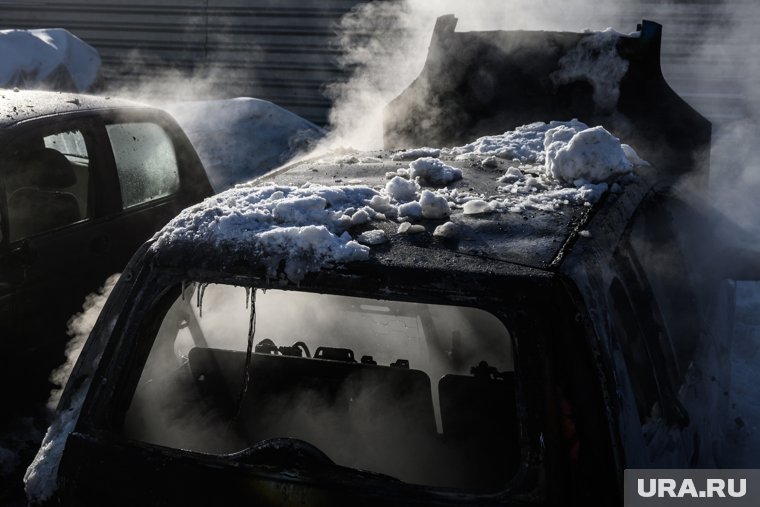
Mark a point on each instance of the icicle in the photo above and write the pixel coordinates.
(247, 296)
(201, 292)
(248, 352)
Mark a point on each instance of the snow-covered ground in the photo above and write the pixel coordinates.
(47, 58)
(239, 139)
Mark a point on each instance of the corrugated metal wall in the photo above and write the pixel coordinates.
(707, 52)
(283, 50)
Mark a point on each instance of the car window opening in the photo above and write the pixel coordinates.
(146, 163)
(47, 185)
(420, 392)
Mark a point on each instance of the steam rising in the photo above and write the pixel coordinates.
(79, 328)
(386, 45)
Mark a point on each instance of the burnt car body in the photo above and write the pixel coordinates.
(84, 181)
(579, 311)
(593, 364)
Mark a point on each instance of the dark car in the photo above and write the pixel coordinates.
(83, 182)
(511, 345)
(530, 360)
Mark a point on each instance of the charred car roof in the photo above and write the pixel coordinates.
(18, 106)
(523, 243)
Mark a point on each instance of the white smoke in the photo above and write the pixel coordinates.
(79, 328)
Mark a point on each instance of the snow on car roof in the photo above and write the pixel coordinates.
(17, 106)
(515, 198)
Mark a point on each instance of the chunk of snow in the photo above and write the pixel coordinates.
(47, 58)
(402, 190)
(239, 139)
(373, 237)
(381, 204)
(476, 207)
(449, 230)
(360, 217)
(593, 155)
(416, 153)
(512, 174)
(595, 59)
(432, 171)
(411, 210)
(409, 228)
(434, 206)
(490, 162)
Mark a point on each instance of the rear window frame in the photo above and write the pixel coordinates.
(106, 405)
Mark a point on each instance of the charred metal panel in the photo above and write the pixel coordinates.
(481, 83)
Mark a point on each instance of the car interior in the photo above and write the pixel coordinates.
(428, 406)
(45, 188)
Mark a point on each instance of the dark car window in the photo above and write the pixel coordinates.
(47, 183)
(375, 385)
(145, 161)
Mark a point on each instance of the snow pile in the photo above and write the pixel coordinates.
(525, 143)
(306, 228)
(595, 59)
(239, 139)
(570, 151)
(433, 172)
(47, 58)
(546, 194)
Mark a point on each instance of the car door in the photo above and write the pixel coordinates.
(55, 190)
(133, 171)
(158, 174)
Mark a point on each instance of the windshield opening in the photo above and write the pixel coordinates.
(421, 392)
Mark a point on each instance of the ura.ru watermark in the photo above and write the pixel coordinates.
(684, 487)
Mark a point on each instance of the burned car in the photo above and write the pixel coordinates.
(489, 324)
(84, 182)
